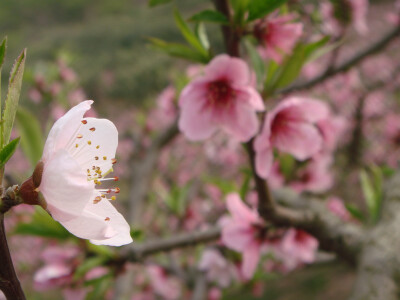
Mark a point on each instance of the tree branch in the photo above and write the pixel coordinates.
(347, 64)
(139, 252)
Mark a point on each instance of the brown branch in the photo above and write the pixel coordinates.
(346, 65)
(9, 283)
(140, 251)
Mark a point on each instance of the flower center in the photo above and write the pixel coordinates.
(220, 93)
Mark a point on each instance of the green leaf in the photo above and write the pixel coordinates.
(99, 289)
(153, 3)
(256, 61)
(14, 90)
(201, 34)
(31, 135)
(370, 196)
(42, 225)
(3, 48)
(246, 184)
(260, 8)
(311, 48)
(240, 8)
(355, 212)
(178, 50)
(177, 199)
(290, 69)
(188, 34)
(7, 152)
(210, 16)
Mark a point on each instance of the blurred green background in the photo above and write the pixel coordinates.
(103, 41)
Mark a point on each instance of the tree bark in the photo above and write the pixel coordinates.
(9, 282)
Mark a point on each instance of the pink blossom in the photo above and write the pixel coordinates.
(214, 294)
(165, 112)
(217, 267)
(96, 272)
(241, 232)
(332, 129)
(290, 128)
(166, 287)
(77, 153)
(297, 247)
(35, 95)
(52, 275)
(74, 294)
(222, 98)
(316, 176)
(360, 11)
(277, 36)
(336, 206)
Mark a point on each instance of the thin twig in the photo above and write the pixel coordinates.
(346, 65)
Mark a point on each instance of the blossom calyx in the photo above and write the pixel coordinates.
(29, 192)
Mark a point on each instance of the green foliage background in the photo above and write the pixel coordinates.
(98, 36)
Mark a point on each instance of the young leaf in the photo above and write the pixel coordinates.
(290, 70)
(370, 196)
(256, 61)
(31, 135)
(3, 48)
(188, 34)
(260, 8)
(355, 212)
(7, 152)
(153, 3)
(14, 90)
(42, 225)
(201, 34)
(240, 8)
(179, 50)
(210, 16)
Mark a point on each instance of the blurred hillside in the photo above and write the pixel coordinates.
(104, 41)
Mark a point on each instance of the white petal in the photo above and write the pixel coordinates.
(97, 146)
(65, 187)
(117, 225)
(65, 129)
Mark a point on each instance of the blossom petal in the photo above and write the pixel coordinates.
(240, 211)
(302, 140)
(264, 160)
(101, 223)
(248, 94)
(231, 68)
(64, 186)
(241, 122)
(237, 235)
(251, 257)
(196, 122)
(96, 146)
(65, 129)
(117, 225)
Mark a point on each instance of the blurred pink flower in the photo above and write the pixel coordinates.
(67, 74)
(241, 232)
(290, 128)
(218, 269)
(57, 111)
(360, 11)
(332, 129)
(214, 294)
(316, 176)
(277, 36)
(52, 275)
(297, 247)
(166, 112)
(74, 294)
(222, 98)
(336, 206)
(76, 96)
(35, 95)
(77, 153)
(96, 272)
(167, 288)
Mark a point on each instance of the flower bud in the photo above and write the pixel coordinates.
(29, 192)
